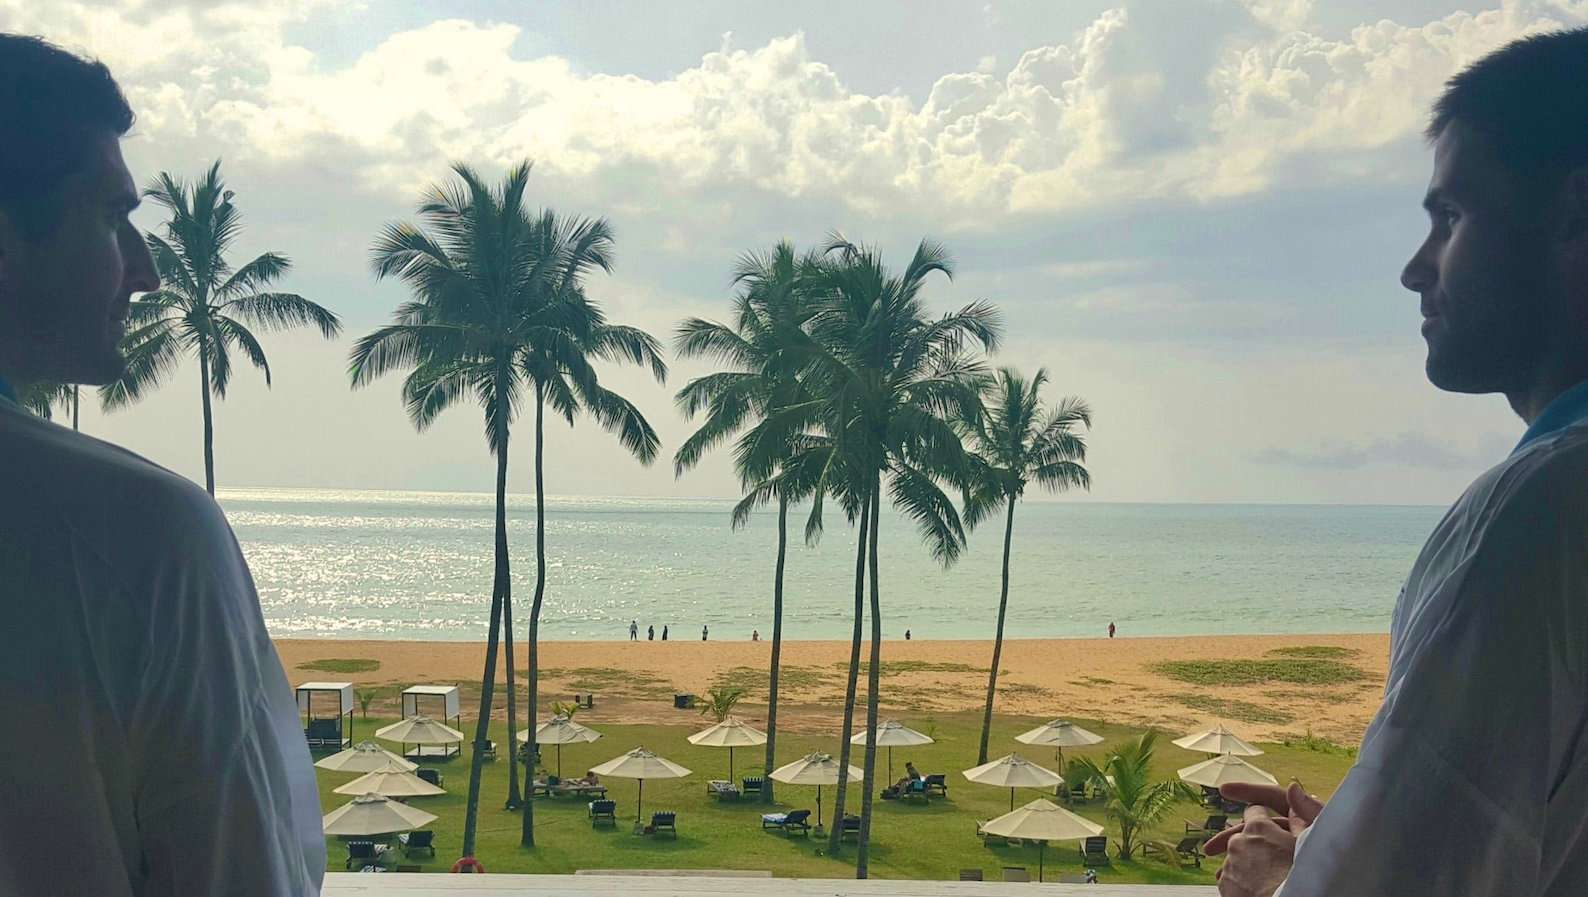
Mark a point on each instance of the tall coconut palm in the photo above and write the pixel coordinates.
(888, 382)
(204, 306)
(43, 398)
(1016, 444)
(567, 332)
(1130, 796)
(461, 336)
(762, 380)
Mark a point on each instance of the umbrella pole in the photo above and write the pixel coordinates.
(1042, 853)
(730, 763)
(639, 806)
(819, 816)
(890, 762)
(559, 760)
(1011, 800)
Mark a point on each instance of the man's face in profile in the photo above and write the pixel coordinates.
(64, 294)
(1482, 271)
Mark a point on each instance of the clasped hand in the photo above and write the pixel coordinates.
(1262, 846)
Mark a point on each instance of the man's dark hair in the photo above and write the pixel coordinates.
(1531, 98)
(52, 104)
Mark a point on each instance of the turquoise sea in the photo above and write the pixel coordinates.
(417, 565)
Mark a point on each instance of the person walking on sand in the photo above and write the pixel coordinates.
(704, 632)
(664, 632)
(650, 633)
(634, 630)
(163, 750)
(1110, 628)
(1472, 778)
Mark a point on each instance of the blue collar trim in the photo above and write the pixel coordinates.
(7, 393)
(1568, 408)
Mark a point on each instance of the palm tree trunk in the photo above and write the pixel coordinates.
(998, 640)
(75, 403)
(532, 662)
(777, 648)
(835, 835)
(209, 421)
(513, 798)
(873, 682)
(482, 730)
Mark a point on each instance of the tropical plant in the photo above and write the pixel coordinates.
(1130, 796)
(366, 697)
(720, 701)
(565, 709)
(204, 306)
(1016, 444)
(461, 336)
(761, 379)
(43, 398)
(886, 382)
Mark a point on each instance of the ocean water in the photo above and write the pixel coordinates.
(418, 565)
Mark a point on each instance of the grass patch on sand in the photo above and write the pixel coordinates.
(898, 667)
(1332, 652)
(1323, 695)
(793, 682)
(1245, 711)
(1319, 744)
(341, 665)
(1297, 671)
(609, 681)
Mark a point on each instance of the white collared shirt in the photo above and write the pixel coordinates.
(1473, 777)
(151, 744)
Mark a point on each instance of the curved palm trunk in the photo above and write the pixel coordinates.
(998, 640)
(777, 648)
(526, 836)
(835, 835)
(873, 682)
(482, 730)
(209, 420)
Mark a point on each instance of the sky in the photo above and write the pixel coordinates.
(1193, 213)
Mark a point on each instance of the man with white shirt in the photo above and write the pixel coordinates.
(1473, 777)
(151, 744)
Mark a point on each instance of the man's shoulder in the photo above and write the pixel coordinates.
(1550, 471)
(101, 491)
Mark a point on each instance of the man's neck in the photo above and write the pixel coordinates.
(1530, 402)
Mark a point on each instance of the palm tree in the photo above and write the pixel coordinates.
(43, 398)
(203, 305)
(1132, 799)
(887, 382)
(1014, 445)
(565, 332)
(761, 381)
(461, 335)
(720, 701)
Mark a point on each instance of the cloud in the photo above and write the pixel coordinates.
(1405, 450)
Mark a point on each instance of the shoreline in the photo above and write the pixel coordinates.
(1087, 678)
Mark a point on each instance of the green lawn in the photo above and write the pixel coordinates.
(909, 839)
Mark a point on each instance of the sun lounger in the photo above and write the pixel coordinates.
(937, 783)
(490, 751)
(584, 702)
(721, 789)
(1016, 873)
(664, 822)
(916, 788)
(851, 827)
(1208, 829)
(1094, 851)
(795, 819)
(422, 841)
(604, 811)
(361, 853)
(432, 776)
(752, 784)
(970, 875)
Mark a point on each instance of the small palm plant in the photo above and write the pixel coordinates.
(720, 702)
(564, 709)
(366, 697)
(1132, 799)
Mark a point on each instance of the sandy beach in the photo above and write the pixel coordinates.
(1117, 680)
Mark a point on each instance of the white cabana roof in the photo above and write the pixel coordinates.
(345, 688)
(446, 695)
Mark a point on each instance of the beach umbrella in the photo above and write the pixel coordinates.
(560, 730)
(815, 769)
(891, 734)
(641, 764)
(1059, 734)
(1217, 740)
(366, 756)
(419, 730)
(730, 733)
(1224, 769)
(396, 781)
(1013, 771)
(374, 814)
(1042, 821)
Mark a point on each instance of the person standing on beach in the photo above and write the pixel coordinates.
(153, 744)
(664, 632)
(705, 631)
(1110, 628)
(1473, 777)
(634, 630)
(650, 633)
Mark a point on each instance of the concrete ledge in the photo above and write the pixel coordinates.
(680, 873)
(353, 884)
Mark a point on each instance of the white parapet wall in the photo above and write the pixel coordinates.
(353, 884)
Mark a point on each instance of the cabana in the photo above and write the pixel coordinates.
(438, 702)
(327, 712)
